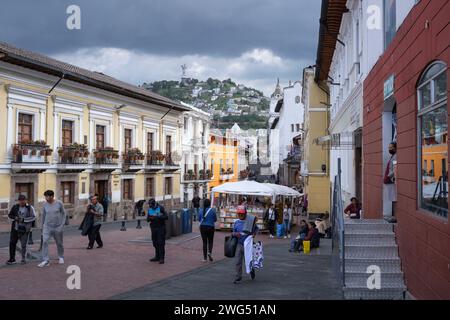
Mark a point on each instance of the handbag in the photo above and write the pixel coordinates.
(230, 246)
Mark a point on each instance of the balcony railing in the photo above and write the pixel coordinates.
(31, 152)
(106, 156)
(133, 157)
(73, 154)
(169, 160)
(190, 176)
(155, 158)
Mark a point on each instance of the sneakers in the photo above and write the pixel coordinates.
(284, 237)
(61, 261)
(99, 247)
(204, 260)
(11, 262)
(89, 248)
(252, 274)
(271, 236)
(210, 257)
(44, 264)
(237, 280)
(155, 259)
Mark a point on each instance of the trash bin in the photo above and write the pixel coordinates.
(168, 226)
(175, 221)
(187, 221)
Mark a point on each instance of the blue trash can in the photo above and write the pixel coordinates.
(186, 221)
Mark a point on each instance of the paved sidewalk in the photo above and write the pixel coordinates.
(285, 275)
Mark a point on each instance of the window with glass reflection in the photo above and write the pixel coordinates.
(433, 134)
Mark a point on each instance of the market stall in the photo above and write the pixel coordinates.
(256, 196)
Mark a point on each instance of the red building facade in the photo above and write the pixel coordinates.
(421, 45)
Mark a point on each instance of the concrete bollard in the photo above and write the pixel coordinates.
(139, 224)
(123, 228)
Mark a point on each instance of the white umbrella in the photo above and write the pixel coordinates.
(284, 190)
(250, 188)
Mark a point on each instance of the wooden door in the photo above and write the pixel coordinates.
(25, 189)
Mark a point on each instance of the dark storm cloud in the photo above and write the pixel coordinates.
(166, 27)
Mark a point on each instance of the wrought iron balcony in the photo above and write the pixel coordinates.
(106, 156)
(33, 152)
(73, 154)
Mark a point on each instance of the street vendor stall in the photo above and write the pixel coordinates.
(255, 195)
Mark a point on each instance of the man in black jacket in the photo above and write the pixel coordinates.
(23, 216)
(157, 217)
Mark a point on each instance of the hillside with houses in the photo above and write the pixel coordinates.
(227, 101)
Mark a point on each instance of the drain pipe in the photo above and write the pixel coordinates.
(59, 80)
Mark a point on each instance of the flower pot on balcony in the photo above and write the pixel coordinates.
(16, 150)
(33, 152)
(86, 154)
(48, 152)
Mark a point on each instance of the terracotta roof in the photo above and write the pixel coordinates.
(36, 61)
(330, 24)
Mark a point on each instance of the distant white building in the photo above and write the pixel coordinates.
(286, 117)
(195, 153)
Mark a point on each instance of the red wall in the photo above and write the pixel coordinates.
(424, 240)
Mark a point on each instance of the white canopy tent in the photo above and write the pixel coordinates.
(283, 190)
(253, 188)
(248, 188)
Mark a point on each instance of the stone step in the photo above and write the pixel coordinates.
(360, 265)
(362, 293)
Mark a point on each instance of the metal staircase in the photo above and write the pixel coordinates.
(359, 247)
(372, 243)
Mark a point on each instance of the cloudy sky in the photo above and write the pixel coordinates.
(251, 41)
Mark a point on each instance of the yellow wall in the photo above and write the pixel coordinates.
(5, 181)
(3, 121)
(317, 184)
(218, 151)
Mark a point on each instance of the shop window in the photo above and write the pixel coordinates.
(127, 189)
(25, 128)
(67, 189)
(433, 147)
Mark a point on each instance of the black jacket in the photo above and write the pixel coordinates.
(86, 224)
(29, 219)
(159, 221)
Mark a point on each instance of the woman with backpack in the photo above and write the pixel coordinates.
(207, 218)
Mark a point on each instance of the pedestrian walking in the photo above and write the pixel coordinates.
(157, 217)
(304, 205)
(95, 209)
(287, 219)
(245, 230)
(196, 206)
(22, 215)
(207, 218)
(271, 218)
(53, 220)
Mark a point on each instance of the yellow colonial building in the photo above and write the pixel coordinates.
(223, 154)
(79, 132)
(316, 164)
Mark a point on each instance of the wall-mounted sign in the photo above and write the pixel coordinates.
(389, 87)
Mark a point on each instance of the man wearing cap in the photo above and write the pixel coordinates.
(157, 217)
(243, 228)
(23, 216)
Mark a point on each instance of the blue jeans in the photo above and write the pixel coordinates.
(295, 244)
(196, 213)
(287, 227)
